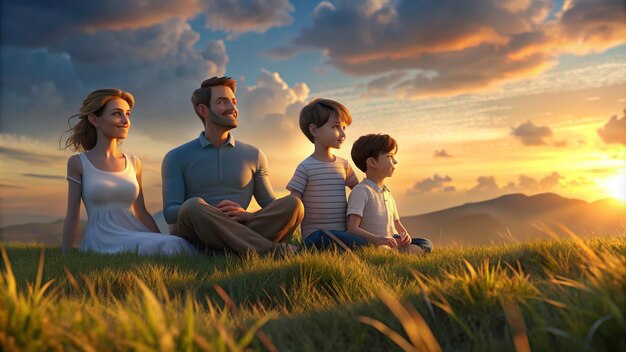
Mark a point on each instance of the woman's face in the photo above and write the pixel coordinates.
(115, 119)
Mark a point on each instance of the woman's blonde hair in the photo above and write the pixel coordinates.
(83, 135)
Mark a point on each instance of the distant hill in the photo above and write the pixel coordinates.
(518, 217)
(47, 233)
(51, 232)
(512, 217)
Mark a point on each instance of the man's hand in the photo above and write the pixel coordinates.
(234, 210)
(386, 241)
(405, 239)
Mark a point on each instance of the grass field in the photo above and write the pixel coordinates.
(567, 295)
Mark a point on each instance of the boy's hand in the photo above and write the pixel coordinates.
(233, 210)
(405, 239)
(386, 241)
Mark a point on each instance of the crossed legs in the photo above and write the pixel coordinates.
(205, 225)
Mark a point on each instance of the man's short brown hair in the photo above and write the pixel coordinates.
(318, 112)
(202, 95)
(371, 146)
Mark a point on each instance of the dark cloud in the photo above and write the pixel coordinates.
(442, 154)
(5, 186)
(47, 177)
(551, 180)
(31, 157)
(240, 16)
(531, 134)
(614, 131)
(484, 184)
(488, 184)
(456, 47)
(42, 23)
(589, 25)
(430, 184)
(60, 51)
(161, 65)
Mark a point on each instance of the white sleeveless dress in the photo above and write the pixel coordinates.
(112, 227)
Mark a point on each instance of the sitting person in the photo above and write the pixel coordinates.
(372, 213)
(109, 183)
(209, 182)
(320, 180)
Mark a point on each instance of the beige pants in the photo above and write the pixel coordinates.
(205, 225)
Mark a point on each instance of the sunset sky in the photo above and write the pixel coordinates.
(485, 97)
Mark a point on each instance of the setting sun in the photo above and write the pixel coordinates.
(615, 186)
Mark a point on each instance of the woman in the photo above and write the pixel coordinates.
(109, 183)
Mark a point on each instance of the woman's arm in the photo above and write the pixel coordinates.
(354, 227)
(139, 207)
(74, 193)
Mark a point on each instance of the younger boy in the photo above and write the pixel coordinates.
(321, 179)
(372, 213)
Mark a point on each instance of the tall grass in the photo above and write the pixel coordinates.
(547, 295)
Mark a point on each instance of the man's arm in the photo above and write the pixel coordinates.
(173, 187)
(263, 191)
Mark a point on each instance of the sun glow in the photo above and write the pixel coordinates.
(615, 186)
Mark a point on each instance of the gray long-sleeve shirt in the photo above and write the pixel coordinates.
(233, 171)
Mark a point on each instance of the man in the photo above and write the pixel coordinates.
(209, 182)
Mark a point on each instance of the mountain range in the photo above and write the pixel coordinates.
(512, 217)
(518, 217)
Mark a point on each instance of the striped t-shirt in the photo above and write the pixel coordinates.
(323, 188)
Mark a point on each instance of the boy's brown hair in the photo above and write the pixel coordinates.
(318, 112)
(202, 95)
(371, 146)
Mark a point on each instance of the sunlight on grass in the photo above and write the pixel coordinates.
(546, 295)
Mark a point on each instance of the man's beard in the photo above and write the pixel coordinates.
(224, 121)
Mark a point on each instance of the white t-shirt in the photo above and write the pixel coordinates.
(375, 206)
(323, 188)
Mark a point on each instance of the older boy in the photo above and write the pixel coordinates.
(321, 179)
(372, 213)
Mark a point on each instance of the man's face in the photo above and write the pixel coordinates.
(223, 110)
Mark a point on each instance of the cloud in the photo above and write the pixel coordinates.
(47, 177)
(31, 157)
(453, 47)
(488, 184)
(614, 131)
(5, 186)
(442, 154)
(270, 95)
(271, 107)
(589, 26)
(238, 16)
(161, 65)
(430, 184)
(484, 184)
(39, 24)
(384, 83)
(531, 134)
